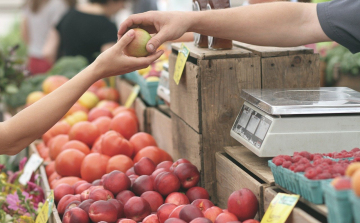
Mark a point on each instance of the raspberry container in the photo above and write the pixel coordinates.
(355, 202)
(311, 190)
(338, 204)
(278, 173)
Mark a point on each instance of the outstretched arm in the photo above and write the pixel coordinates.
(270, 24)
(29, 124)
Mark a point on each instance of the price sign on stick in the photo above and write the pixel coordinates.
(46, 209)
(180, 63)
(280, 208)
(132, 97)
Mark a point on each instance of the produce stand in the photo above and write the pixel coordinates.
(207, 99)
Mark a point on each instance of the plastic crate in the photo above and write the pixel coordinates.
(148, 91)
(278, 175)
(311, 190)
(338, 204)
(133, 77)
(355, 202)
(291, 180)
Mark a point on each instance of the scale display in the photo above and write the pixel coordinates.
(252, 126)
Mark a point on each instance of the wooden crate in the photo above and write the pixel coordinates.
(124, 88)
(231, 177)
(298, 215)
(160, 128)
(207, 99)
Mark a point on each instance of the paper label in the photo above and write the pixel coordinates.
(46, 209)
(32, 164)
(180, 63)
(280, 208)
(132, 96)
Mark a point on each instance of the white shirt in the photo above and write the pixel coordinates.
(40, 23)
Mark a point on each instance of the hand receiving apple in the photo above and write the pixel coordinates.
(166, 26)
(114, 61)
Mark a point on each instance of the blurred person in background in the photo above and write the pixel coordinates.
(140, 6)
(85, 30)
(38, 18)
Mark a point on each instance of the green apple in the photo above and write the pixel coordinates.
(137, 47)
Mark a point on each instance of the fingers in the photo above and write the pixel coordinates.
(125, 39)
(157, 40)
(146, 61)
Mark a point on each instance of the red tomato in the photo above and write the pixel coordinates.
(141, 140)
(151, 152)
(103, 124)
(119, 162)
(97, 113)
(85, 132)
(56, 144)
(75, 144)
(125, 124)
(93, 166)
(114, 144)
(68, 162)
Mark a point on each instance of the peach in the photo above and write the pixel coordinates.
(72, 204)
(226, 217)
(142, 184)
(85, 205)
(64, 201)
(79, 189)
(212, 213)
(250, 221)
(79, 183)
(164, 211)
(188, 175)
(124, 196)
(125, 220)
(130, 171)
(132, 179)
(137, 47)
(137, 208)
(101, 194)
(341, 183)
(175, 213)
(75, 215)
(154, 199)
(157, 172)
(174, 220)
(178, 162)
(165, 164)
(116, 181)
(200, 220)
(202, 204)
(103, 211)
(352, 168)
(177, 198)
(145, 166)
(61, 190)
(197, 193)
(119, 206)
(243, 203)
(190, 212)
(97, 183)
(151, 219)
(166, 183)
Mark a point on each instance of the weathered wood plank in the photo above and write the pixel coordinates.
(230, 178)
(204, 53)
(124, 88)
(161, 130)
(266, 51)
(296, 71)
(221, 83)
(140, 111)
(186, 143)
(185, 97)
(257, 165)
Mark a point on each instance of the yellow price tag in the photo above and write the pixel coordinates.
(180, 63)
(132, 96)
(280, 208)
(46, 209)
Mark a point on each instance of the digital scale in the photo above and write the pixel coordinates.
(275, 122)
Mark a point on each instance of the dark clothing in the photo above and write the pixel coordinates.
(340, 20)
(84, 34)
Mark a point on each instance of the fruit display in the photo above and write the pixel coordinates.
(19, 203)
(304, 173)
(149, 192)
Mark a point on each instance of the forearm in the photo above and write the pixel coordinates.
(271, 24)
(36, 119)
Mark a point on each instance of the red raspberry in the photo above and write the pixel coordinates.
(292, 167)
(286, 164)
(357, 154)
(296, 158)
(323, 176)
(311, 173)
(278, 161)
(355, 150)
(296, 153)
(287, 158)
(356, 159)
(305, 154)
(300, 168)
(304, 161)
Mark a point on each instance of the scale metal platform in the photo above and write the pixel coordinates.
(275, 122)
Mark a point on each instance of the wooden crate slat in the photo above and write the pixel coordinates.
(230, 178)
(204, 53)
(295, 71)
(185, 97)
(161, 130)
(186, 143)
(266, 51)
(124, 88)
(258, 166)
(140, 111)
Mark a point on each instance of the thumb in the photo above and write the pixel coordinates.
(156, 41)
(125, 39)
